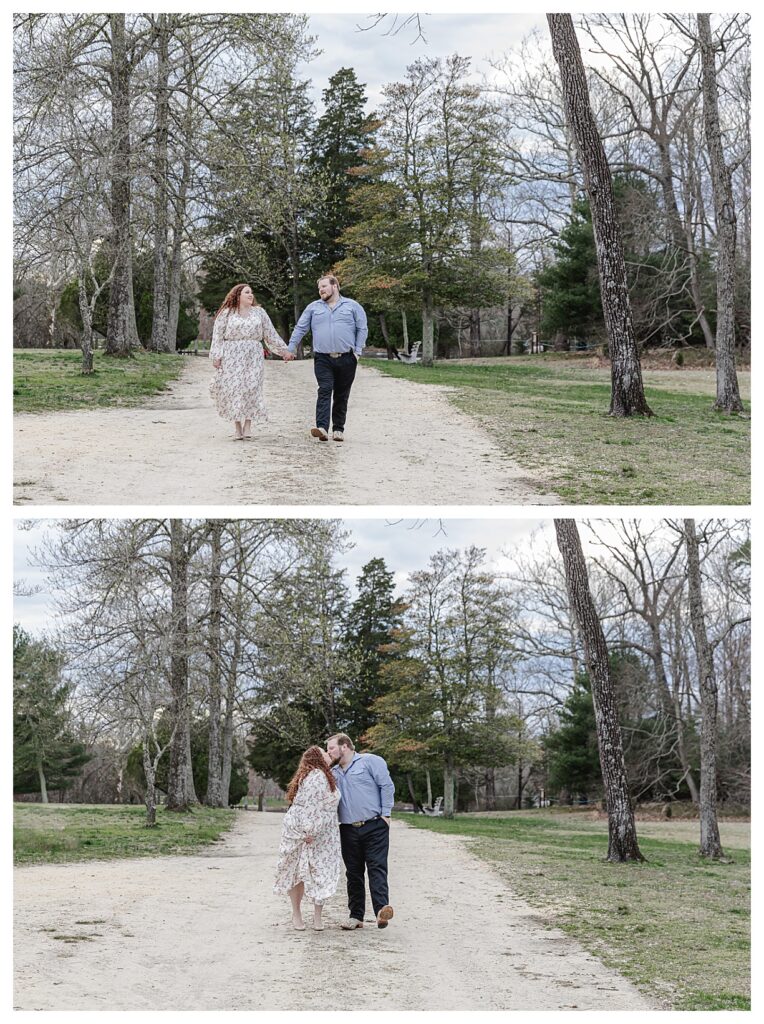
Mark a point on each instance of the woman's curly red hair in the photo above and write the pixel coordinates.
(312, 758)
(233, 298)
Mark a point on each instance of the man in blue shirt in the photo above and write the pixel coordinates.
(366, 792)
(339, 330)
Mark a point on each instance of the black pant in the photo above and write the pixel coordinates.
(365, 849)
(333, 376)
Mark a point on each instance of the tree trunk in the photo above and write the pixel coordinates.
(405, 327)
(160, 313)
(230, 697)
(448, 786)
(213, 796)
(622, 845)
(429, 787)
(627, 391)
(86, 337)
(475, 339)
(412, 794)
(427, 328)
(385, 335)
(148, 771)
(520, 785)
(43, 783)
(710, 842)
(490, 789)
(121, 335)
(727, 391)
(180, 796)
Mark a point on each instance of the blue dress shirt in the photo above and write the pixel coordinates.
(365, 787)
(342, 329)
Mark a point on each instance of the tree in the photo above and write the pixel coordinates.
(46, 756)
(122, 333)
(342, 133)
(421, 230)
(622, 844)
(443, 701)
(571, 301)
(710, 842)
(373, 618)
(627, 391)
(727, 391)
(572, 755)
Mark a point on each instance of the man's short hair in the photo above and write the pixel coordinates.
(343, 740)
(328, 277)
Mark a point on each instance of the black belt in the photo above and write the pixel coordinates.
(357, 824)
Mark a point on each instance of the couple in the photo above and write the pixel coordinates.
(340, 801)
(339, 330)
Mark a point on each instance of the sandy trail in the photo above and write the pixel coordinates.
(205, 933)
(406, 445)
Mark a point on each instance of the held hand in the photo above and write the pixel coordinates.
(287, 356)
(217, 363)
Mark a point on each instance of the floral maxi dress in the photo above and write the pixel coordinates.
(317, 864)
(237, 339)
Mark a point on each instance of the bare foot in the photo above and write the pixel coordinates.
(297, 923)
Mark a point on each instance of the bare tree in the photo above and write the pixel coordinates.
(627, 391)
(710, 842)
(622, 845)
(727, 391)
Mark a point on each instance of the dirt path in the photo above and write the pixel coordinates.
(406, 445)
(206, 933)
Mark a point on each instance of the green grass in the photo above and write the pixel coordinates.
(678, 926)
(548, 415)
(50, 380)
(60, 833)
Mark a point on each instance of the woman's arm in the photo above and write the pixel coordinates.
(218, 333)
(272, 339)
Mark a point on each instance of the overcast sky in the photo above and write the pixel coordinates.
(405, 545)
(379, 58)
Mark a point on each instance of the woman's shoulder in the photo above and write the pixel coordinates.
(316, 777)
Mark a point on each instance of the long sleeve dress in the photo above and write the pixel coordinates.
(237, 339)
(317, 864)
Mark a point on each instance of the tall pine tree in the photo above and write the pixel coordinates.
(343, 132)
(374, 616)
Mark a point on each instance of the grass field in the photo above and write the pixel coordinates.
(49, 380)
(547, 413)
(59, 833)
(678, 926)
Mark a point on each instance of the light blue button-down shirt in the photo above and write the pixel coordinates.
(365, 787)
(342, 329)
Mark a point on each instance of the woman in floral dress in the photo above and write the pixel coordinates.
(241, 327)
(310, 859)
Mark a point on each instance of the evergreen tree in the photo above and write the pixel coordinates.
(343, 132)
(573, 758)
(46, 756)
(374, 616)
(570, 286)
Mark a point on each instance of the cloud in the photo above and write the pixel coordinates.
(379, 59)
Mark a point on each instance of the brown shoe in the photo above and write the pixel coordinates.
(351, 923)
(384, 916)
(320, 433)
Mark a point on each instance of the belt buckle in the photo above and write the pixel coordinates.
(334, 355)
(357, 824)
